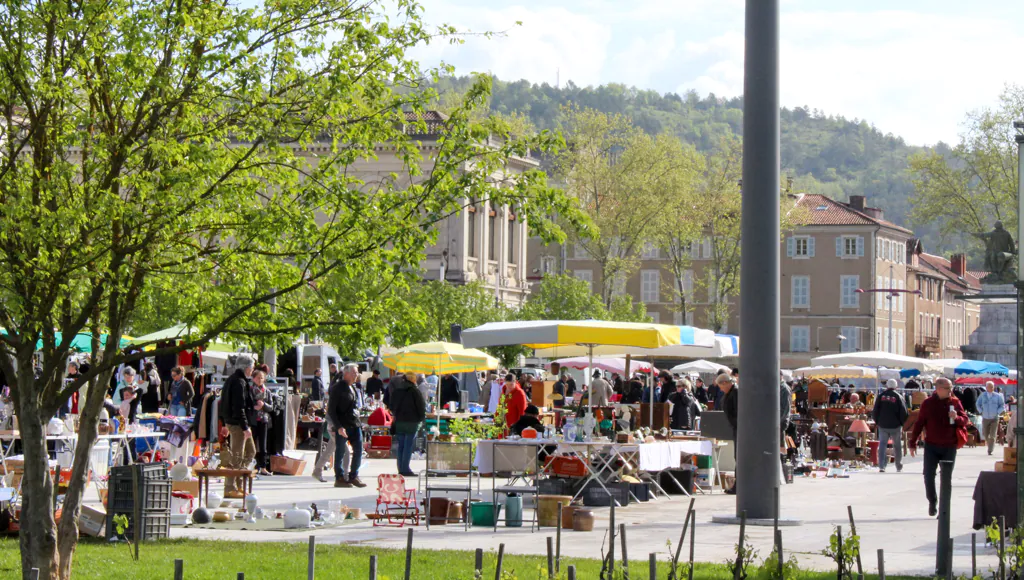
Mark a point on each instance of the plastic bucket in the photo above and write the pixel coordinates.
(514, 511)
(483, 513)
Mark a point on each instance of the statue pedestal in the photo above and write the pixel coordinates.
(995, 339)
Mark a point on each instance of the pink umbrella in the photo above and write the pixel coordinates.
(605, 363)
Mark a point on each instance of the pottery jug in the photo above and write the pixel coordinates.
(583, 520)
(297, 518)
(213, 500)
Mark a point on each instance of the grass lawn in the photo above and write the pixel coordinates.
(211, 560)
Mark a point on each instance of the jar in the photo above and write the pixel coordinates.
(297, 518)
(583, 520)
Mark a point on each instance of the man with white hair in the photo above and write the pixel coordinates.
(890, 414)
(235, 406)
(343, 410)
(991, 405)
(941, 418)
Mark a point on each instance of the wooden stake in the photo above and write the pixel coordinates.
(652, 566)
(881, 564)
(974, 555)
(558, 540)
(682, 537)
(693, 538)
(571, 572)
(611, 540)
(551, 559)
(373, 566)
(408, 556)
(179, 569)
(853, 532)
(625, 556)
(241, 576)
(311, 565)
(501, 557)
(739, 549)
(478, 567)
(778, 550)
(839, 545)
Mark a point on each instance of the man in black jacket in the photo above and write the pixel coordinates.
(344, 414)
(684, 407)
(316, 390)
(236, 406)
(890, 413)
(731, 406)
(449, 390)
(374, 385)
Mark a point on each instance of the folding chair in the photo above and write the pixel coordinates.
(449, 470)
(519, 465)
(395, 501)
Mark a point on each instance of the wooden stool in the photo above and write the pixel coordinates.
(206, 474)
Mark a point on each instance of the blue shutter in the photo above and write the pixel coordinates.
(790, 246)
(860, 246)
(810, 246)
(839, 247)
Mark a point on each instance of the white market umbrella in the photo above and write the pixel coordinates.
(837, 372)
(698, 366)
(877, 358)
(605, 363)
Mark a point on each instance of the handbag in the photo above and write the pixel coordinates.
(961, 437)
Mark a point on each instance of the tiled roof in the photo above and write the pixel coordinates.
(433, 119)
(824, 211)
(977, 274)
(969, 283)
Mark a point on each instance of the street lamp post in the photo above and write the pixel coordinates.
(1019, 429)
(890, 294)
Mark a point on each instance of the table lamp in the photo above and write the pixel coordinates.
(859, 426)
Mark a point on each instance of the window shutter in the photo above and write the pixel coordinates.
(707, 248)
(860, 246)
(839, 247)
(790, 246)
(810, 246)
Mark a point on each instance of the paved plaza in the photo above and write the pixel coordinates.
(890, 511)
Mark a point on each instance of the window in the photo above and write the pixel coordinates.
(587, 276)
(799, 338)
(848, 291)
(851, 339)
(879, 296)
(694, 249)
(878, 248)
(712, 289)
(849, 246)
(687, 285)
(619, 284)
(678, 319)
(707, 249)
(579, 252)
(900, 346)
(471, 233)
(511, 239)
(650, 252)
(902, 297)
(547, 265)
(650, 280)
(800, 247)
(492, 224)
(800, 292)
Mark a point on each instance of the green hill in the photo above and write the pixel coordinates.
(824, 153)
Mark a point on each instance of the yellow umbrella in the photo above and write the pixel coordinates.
(440, 358)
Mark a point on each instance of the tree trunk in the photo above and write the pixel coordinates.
(38, 536)
(88, 420)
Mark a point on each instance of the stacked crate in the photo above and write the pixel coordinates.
(147, 484)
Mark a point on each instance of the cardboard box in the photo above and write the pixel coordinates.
(189, 487)
(92, 522)
(1006, 467)
(1009, 455)
(286, 465)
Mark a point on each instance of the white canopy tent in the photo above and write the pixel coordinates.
(837, 372)
(698, 366)
(877, 358)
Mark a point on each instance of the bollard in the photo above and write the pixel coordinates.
(311, 565)
(408, 556)
(479, 565)
(881, 564)
(942, 541)
(179, 569)
(652, 566)
(373, 566)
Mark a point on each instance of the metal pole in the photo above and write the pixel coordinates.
(891, 295)
(1019, 430)
(942, 541)
(757, 455)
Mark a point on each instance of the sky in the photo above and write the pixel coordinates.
(911, 68)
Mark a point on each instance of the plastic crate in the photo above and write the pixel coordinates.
(641, 491)
(596, 496)
(153, 495)
(156, 525)
(145, 471)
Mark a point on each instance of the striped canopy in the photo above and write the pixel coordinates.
(439, 358)
(541, 334)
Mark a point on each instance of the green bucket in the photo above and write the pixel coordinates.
(482, 513)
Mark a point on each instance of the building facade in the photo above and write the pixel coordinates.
(832, 270)
(940, 319)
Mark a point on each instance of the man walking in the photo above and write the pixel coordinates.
(600, 390)
(890, 414)
(344, 414)
(940, 417)
(991, 405)
(237, 405)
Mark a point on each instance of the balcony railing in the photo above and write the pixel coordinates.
(927, 344)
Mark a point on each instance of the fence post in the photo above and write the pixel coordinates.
(881, 564)
(551, 559)
(693, 538)
(478, 567)
(853, 532)
(558, 540)
(408, 556)
(501, 557)
(311, 564)
(241, 576)
(945, 493)
(611, 540)
(572, 572)
(1002, 547)
(179, 572)
(625, 556)
(974, 555)
(778, 551)
(739, 548)
(373, 566)
(839, 552)
(652, 566)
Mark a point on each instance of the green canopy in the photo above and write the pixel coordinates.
(179, 332)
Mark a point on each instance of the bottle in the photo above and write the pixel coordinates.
(952, 409)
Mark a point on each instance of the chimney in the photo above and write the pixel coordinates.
(858, 202)
(874, 212)
(958, 263)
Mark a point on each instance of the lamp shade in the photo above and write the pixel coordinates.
(859, 426)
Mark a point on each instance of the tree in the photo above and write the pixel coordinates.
(624, 179)
(971, 186)
(437, 305)
(206, 157)
(562, 297)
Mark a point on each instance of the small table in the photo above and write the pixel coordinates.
(205, 474)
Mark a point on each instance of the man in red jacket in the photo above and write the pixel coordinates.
(515, 400)
(940, 417)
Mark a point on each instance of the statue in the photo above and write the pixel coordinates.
(999, 253)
